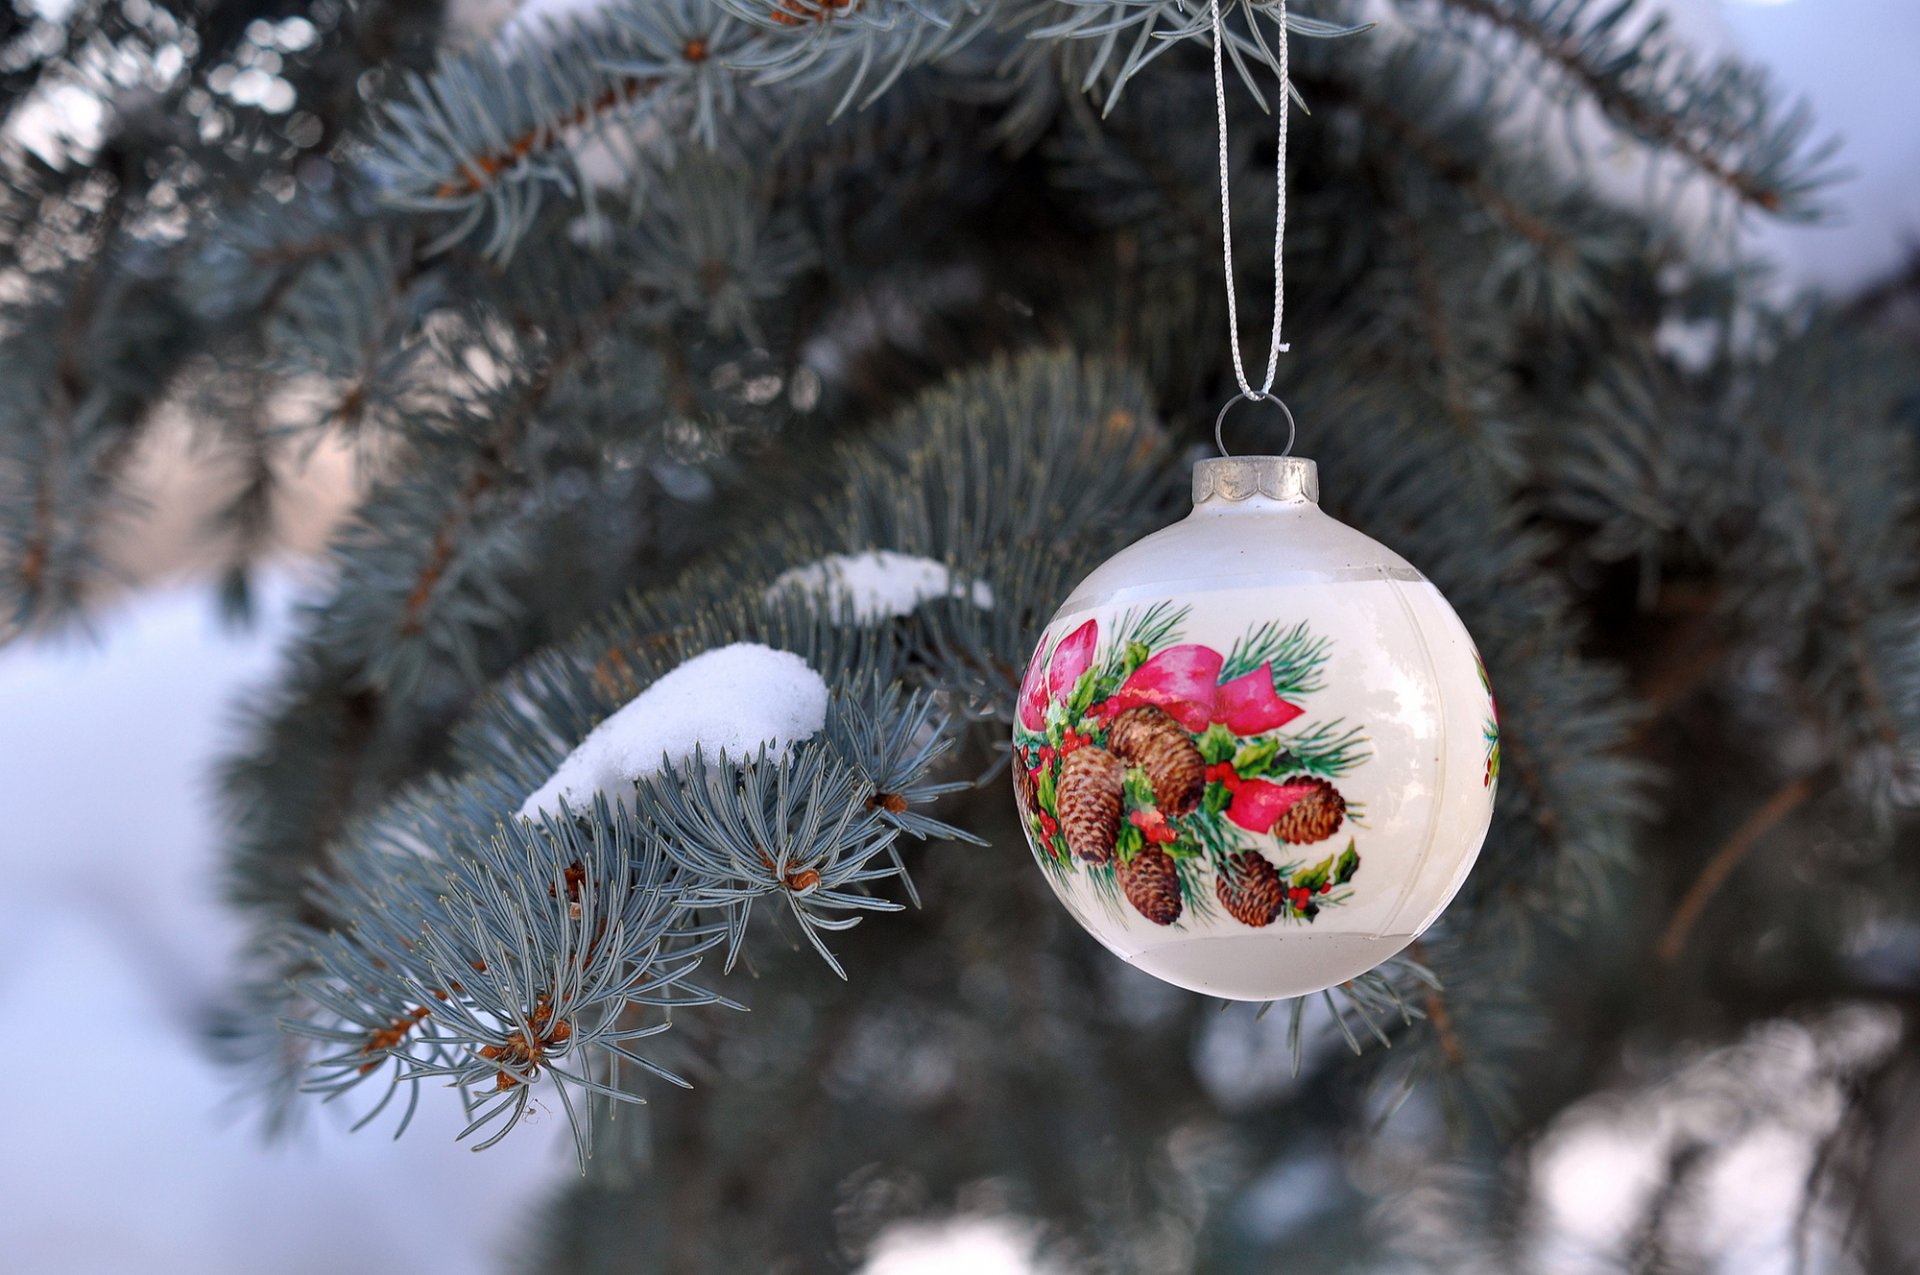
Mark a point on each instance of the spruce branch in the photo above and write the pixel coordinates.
(1420, 80)
(815, 41)
(1127, 35)
(1719, 120)
(815, 831)
(1439, 1013)
(487, 132)
(484, 135)
(75, 429)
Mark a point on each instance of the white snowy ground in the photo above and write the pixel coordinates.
(122, 1152)
(125, 1151)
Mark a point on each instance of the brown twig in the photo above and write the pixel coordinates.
(479, 173)
(1694, 651)
(1440, 1014)
(441, 554)
(485, 467)
(1649, 122)
(1728, 857)
(1432, 310)
(70, 386)
(1445, 164)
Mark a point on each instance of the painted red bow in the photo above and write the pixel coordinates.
(1258, 803)
(1184, 680)
(1181, 679)
(1052, 679)
(1249, 706)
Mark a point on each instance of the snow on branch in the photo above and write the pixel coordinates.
(735, 701)
(878, 585)
(773, 757)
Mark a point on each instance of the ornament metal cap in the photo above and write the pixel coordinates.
(1233, 479)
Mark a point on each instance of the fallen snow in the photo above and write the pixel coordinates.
(731, 700)
(879, 584)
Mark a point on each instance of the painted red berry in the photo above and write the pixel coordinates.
(1224, 774)
(1153, 826)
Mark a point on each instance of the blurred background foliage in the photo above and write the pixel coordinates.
(603, 317)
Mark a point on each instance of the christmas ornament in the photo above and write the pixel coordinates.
(1255, 753)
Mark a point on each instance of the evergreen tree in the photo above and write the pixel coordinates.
(643, 319)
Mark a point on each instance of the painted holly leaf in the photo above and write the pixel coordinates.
(1256, 758)
(1139, 788)
(1316, 876)
(1137, 653)
(1082, 698)
(1216, 744)
(1347, 864)
(1128, 843)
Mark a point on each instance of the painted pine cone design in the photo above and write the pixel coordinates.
(1023, 793)
(1149, 737)
(1155, 771)
(1250, 888)
(1151, 884)
(1092, 783)
(1315, 816)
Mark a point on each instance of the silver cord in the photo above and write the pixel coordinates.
(1276, 347)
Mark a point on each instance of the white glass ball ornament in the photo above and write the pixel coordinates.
(1256, 752)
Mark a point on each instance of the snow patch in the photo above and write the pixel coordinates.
(972, 1244)
(110, 861)
(732, 699)
(1689, 343)
(879, 584)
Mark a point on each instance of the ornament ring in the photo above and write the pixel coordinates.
(1253, 396)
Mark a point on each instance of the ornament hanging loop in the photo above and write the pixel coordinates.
(1254, 396)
